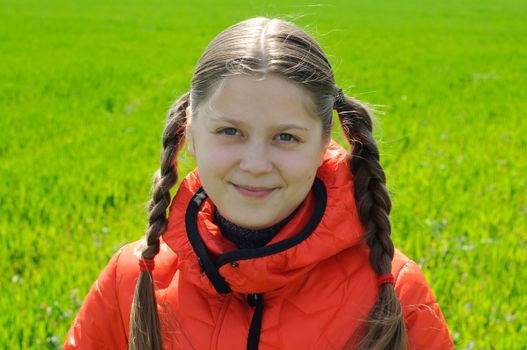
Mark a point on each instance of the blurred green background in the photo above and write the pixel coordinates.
(85, 87)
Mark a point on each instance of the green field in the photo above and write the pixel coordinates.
(85, 86)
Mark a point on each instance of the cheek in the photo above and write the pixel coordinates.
(299, 169)
(214, 159)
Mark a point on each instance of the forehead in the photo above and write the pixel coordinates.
(271, 98)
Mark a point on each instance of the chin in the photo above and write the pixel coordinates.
(244, 221)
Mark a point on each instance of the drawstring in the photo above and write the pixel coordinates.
(256, 322)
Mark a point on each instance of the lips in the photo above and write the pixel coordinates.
(253, 191)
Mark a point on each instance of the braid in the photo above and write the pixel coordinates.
(145, 332)
(166, 177)
(385, 324)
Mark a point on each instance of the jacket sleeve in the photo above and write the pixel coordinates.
(425, 324)
(99, 324)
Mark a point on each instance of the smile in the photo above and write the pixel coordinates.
(253, 192)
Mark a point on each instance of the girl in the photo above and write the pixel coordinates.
(279, 239)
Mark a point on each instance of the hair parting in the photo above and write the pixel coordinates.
(145, 329)
(384, 328)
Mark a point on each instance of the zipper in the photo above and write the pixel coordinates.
(253, 339)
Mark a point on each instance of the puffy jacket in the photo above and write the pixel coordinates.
(309, 288)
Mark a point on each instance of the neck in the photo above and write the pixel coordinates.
(246, 238)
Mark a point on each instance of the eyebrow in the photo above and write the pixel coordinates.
(241, 123)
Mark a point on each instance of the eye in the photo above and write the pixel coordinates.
(285, 137)
(228, 131)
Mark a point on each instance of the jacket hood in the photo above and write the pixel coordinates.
(325, 224)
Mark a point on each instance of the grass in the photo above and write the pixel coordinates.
(84, 88)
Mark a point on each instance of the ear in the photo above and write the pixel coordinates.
(188, 133)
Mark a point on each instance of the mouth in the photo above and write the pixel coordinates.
(253, 191)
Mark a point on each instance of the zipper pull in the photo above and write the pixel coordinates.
(252, 299)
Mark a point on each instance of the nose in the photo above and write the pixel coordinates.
(256, 159)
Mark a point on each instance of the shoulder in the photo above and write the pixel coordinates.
(426, 326)
(410, 282)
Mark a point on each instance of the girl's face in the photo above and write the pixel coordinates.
(257, 148)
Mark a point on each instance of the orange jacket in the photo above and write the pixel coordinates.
(310, 287)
